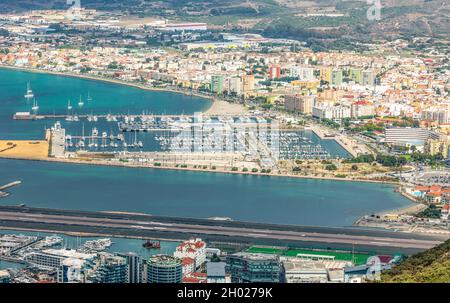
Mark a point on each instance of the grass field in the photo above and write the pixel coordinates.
(357, 258)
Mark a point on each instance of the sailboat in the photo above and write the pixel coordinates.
(29, 93)
(69, 106)
(89, 98)
(35, 106)
(80, 103)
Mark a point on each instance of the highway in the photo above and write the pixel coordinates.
(147, 226)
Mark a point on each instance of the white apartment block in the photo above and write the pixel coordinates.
(331, 112)
(194, 249)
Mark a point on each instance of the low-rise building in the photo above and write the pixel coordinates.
(215, 272)
(300, 271)
(331, 112)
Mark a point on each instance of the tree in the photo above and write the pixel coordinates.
(215, 258)
(354, 167)
(331, 167)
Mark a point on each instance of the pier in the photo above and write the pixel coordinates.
(6, 186)
(159, 227)
(9, 185)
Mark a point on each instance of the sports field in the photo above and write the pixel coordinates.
(357, 258)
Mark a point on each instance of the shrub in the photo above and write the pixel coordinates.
(331, 167)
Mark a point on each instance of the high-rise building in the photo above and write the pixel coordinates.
(217, 84)
(73, 270)
(248, 83)
(253, 268)
(368, 78)
(325, 74)
(302, 73)
(5, 277)
(274, 71)
(436, 146)
(356, 75)
(164, 269)
(300, 103)
(135, 267)
(439, 115)
(235, 85)
(111, 269)
(336, 77)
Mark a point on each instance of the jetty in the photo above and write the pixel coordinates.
(9, 185)
(6, 186)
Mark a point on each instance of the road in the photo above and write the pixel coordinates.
(146, 226)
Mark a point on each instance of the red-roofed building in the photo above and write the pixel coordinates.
(195, 278)
(433, 197)
(188, 265)
(435, 188)
(194, 249)
(422, 188)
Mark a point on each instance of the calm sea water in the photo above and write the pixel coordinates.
(161, 192)
(195, 194)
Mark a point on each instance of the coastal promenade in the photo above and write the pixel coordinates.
(158, 227)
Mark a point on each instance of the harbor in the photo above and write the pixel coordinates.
(249, 161)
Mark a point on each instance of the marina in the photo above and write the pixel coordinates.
(250, 136)
(44, 240)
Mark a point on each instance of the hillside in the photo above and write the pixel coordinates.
(431, 266)
(302, 20)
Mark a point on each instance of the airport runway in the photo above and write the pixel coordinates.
(146, 226)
